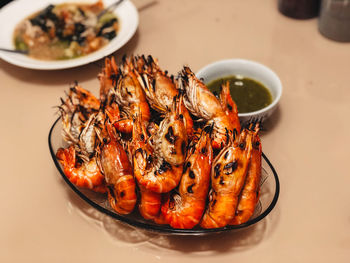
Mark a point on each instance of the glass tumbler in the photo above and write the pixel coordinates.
(299, 9)
(334, 20)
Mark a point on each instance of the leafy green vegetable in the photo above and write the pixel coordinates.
(20, 44)
(106, 17)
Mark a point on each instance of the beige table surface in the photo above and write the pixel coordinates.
(307, 140)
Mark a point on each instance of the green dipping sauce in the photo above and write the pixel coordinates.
(249, 95)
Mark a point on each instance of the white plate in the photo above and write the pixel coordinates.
(16, 11)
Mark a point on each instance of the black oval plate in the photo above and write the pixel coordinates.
(270, 189)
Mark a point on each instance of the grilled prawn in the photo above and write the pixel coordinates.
(130, 97)
(151, 169)
(160, 89)
(170, 140)
(142, 152)
(83, 174)
(122, 83)
(118, 173)
(249, 195)
(108, 77)
(227, 178)
(76, 113)
(185, 209)
(229, 106)
(202, 103)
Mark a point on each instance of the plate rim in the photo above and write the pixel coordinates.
(160, 228)
(107, 50)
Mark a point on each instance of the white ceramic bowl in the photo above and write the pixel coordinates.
(249, 69)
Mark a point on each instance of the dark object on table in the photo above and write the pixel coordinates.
(4, 2)
(299, 9)
(334, 20)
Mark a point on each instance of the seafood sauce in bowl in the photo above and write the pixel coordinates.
(269, 193)
(255, 88)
